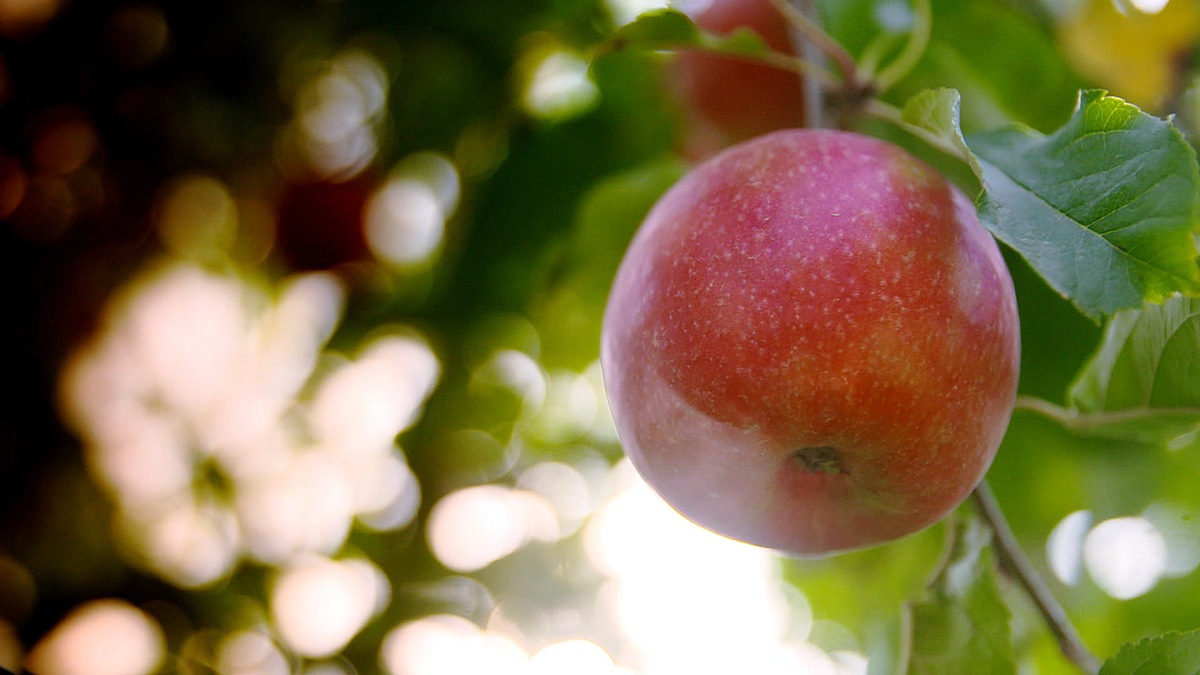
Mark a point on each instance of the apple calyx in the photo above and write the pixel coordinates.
(819, 459)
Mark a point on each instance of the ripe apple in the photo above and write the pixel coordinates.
(812, 344)
(725, 100)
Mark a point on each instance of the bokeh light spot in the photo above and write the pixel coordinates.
(471, 528)
(250, 652)
(625, 11)
(1178, 528)
(575, 656)
(405, 218)
(198, 217)
(102, 637)
(444, 644)
(403, 222)
(192, 545)
(1064, 546)
(564, 487)
(337, 112)
(1149, 6)
(1126, 556)
(557, 83)
(318, 605)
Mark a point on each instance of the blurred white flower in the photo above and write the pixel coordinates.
(205, 420)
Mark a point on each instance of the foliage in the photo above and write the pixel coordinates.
(427, 362)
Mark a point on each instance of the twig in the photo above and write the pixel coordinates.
(805, 23)
(815, 112)
(1013, 561)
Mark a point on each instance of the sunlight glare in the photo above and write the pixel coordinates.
(690, 600)
(574, 656)
(189, 390)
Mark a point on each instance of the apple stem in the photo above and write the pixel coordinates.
(1013, 561)
(806, 21)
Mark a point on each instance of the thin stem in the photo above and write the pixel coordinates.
(815, 112)
(812, 31)
(918, 40)
(1013, 561)
(1084, 421)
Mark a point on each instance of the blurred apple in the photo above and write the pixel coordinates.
(812, 344)
(726, 100)
(320, 222)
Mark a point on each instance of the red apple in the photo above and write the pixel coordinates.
(726, 100)
(812, 344)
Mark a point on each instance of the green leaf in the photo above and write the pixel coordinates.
(1143, 382)
(657, 30)
(1143, 360)
(1104, 209)
(672, 29)
(938, 112)
(963, 624)
(1170, 654)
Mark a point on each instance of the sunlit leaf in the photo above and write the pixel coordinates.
(939, 112)
(1170, 654)
(963, 624)
(1104, 208)
(672, 29)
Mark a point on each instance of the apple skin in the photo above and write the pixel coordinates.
(726, 100)
(812, 344)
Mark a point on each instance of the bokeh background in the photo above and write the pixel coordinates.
(301, 307)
